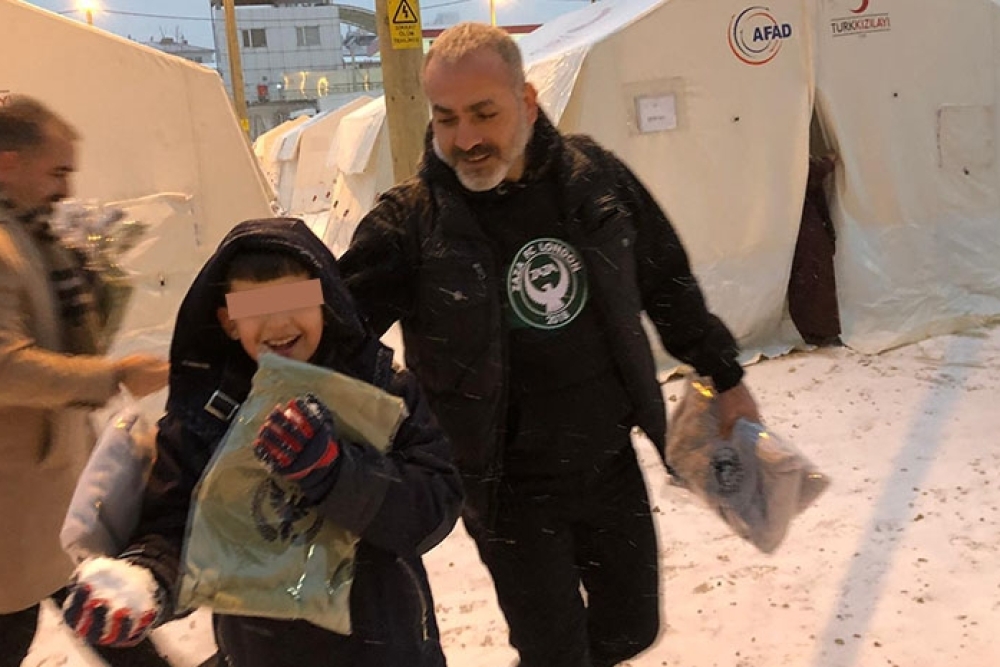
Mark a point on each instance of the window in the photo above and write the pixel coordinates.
(254, 38)
(307, 35)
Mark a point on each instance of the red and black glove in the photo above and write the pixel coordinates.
(298, 442)
(112, 602)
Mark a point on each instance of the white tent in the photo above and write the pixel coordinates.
(363, 159)
(316, 168)
(158, 135)
(908, 105)
(266, 148)
(907, 91)
(709, 103)
(329, 170)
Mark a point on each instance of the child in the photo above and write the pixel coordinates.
(400, 503)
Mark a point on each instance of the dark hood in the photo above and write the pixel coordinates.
(201, 354)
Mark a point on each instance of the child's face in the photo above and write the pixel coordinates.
(294, 334)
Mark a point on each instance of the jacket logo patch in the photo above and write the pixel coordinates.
(547, 284)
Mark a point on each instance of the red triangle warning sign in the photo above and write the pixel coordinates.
(405, 15)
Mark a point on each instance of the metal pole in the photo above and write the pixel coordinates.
(493, 12)
(90, 17)
(236, 67)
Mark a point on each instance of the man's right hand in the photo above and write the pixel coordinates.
(142, 374)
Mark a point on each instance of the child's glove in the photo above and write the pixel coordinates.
(112, 602)
(298, 442)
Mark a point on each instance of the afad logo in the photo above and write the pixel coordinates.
(755, 36)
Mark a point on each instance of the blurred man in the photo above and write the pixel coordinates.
(51, 376)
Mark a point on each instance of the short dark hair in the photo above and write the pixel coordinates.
(463, 39)
(26, 123)
(264, 265)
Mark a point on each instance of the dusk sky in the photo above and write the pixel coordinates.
(143, 19)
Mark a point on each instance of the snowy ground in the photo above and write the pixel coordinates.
(898, 564)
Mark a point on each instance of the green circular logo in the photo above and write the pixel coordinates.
(547, 284)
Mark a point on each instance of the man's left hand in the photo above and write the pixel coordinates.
(733, 404)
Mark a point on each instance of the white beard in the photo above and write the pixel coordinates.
(483, 181)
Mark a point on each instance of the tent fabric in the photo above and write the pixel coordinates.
(909, 106)
(355, 144)
(329, 169)
(266, 148)
(158, 136)
(554, 53)
(315, 172)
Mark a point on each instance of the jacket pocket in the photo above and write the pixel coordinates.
(422, 598)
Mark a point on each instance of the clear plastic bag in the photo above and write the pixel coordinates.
(756, 481)
(103, 235)
(251, 548)
(108, 496)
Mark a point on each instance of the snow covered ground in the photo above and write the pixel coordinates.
(896, 565)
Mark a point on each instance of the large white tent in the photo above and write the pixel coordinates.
(906, 93)
(158, 136)
(711, 103)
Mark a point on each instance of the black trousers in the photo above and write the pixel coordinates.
(554, 535)
(17, 631)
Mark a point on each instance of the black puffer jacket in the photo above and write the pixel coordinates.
(421, 257)
(401, 503)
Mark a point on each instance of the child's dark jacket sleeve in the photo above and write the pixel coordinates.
(407, 500)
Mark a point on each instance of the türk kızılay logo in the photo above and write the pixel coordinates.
(862, 23)
(756, 36)
(547, 284)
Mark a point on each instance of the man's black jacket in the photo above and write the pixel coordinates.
(420, 257)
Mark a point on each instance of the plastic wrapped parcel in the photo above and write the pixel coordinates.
(251, 548)
(756, 481)
(102, 235)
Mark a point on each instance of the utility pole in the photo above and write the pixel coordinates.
(401, 46)
(236, 67)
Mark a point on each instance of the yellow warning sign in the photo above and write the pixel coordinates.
(404, 24)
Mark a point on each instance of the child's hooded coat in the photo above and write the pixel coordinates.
(401, 503)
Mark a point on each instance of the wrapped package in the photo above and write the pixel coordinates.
(756, 481)
(252, 547)
(105, 506)
(101, 236)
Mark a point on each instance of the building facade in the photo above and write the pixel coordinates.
(181, 48)
(291, 52)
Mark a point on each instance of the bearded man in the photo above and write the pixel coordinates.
(518, 262)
